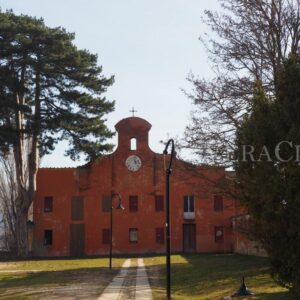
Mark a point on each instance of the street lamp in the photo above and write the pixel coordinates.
(168, 171)
(243, 290)
(119, 206)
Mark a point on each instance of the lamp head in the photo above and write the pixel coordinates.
(120, 205)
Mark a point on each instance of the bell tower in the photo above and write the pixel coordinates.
(133, 134)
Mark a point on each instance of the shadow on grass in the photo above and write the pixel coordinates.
(214, 276)
(28, 278)
(12, 258)
(276, 296)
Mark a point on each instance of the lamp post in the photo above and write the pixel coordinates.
(119, 206)
(168, 171)
(243, 290)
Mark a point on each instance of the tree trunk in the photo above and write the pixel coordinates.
(27, 190)
(22, 232)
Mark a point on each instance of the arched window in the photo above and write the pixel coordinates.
(133, 144)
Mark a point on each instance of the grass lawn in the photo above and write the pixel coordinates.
(56, 279)
(201, 277)
(210, 277)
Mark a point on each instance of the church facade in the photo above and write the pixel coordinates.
(71, 211)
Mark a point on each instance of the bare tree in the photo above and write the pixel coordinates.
(248, 42)
(8, 197)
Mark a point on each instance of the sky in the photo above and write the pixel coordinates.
(149, 46)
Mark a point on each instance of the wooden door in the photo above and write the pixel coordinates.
(77, 236)
(189, 238)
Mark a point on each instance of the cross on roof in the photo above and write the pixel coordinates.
(133, 111)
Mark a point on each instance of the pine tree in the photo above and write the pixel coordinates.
(269, 185)
(49, 91)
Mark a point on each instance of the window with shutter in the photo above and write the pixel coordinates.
(106, 203)
(159, 203)
(77, 208)
(160, 235)
(133, 203)
(218, 203)
(133, 235)
(48, 237)
(188, 203)
(105, 236)
(219, 234)
(48, 204)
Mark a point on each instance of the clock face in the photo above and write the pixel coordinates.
(133, 163)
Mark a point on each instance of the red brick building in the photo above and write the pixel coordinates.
(71, 211)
